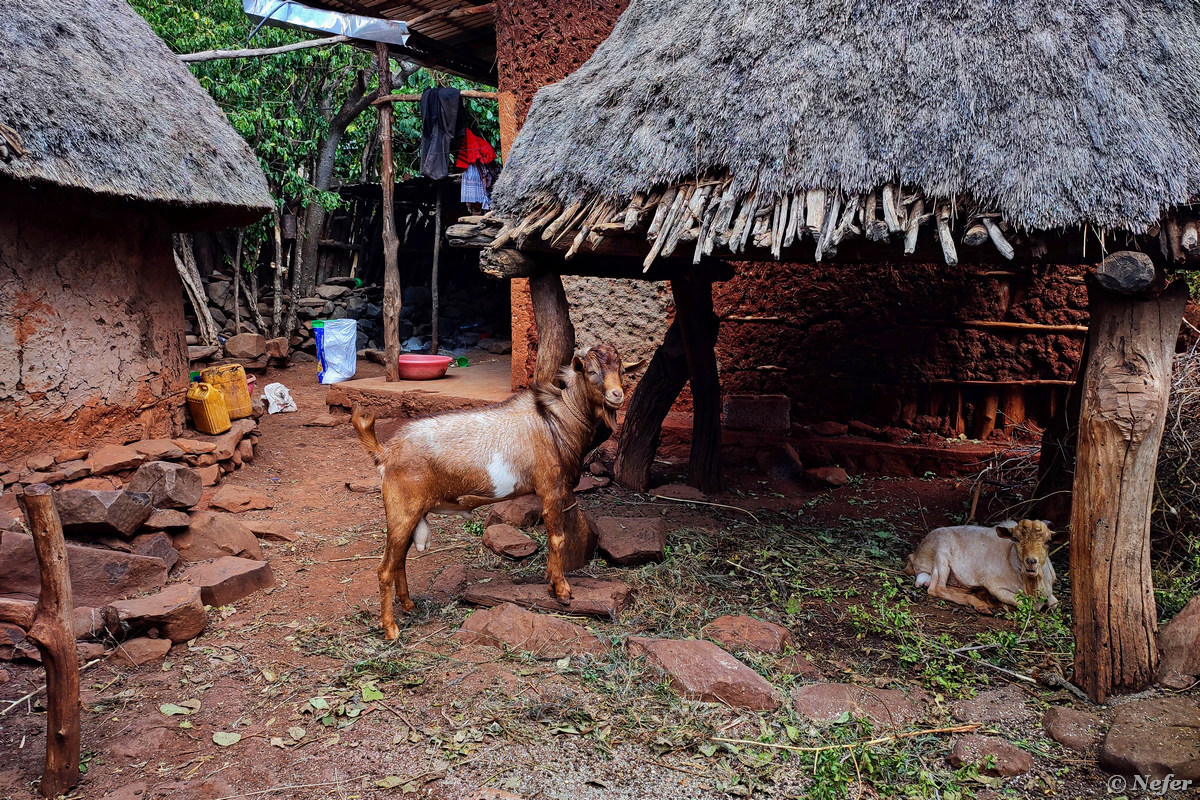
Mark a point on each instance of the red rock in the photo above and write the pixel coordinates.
(193, 447)
(48, 478)
(93, 483)
(277, 348)
(98, 576)
(1179, 648)
(632, 540)
(216, 535)
(590, 597)
(757, 412)
(1154, 738)
(272, 531)
(779, 462)
(136, 652)
(327, 421)
(825, 702)
(589, 482)
(71, 455)
(798, 664)
(700, 670)
(164, 518)
(94, 513)
(4, 677)
(209, 475)
(89, 651)
(246, 346)
(245, 451)
(863, 429)
(237, 499)
(41, 463)
(449, 583)
(991, 754)
(10, 511)
(747, 633)
(829, 476)
(132, 791)
(114, 458)
(176, 612)
(505, 540)
(226, 580)
(508, 626)
(158, 449)
(226, 443)
(74, 470)
(169, 485)
(830, 429)
(155, 545)
(1075, 730)
(1005, 706)
(14, 646)
(679, 491)
(520, 512)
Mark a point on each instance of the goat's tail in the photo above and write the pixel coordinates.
(364, 425)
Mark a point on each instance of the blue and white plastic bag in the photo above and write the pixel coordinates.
(336, 354)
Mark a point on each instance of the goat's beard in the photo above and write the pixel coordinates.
(608, 415)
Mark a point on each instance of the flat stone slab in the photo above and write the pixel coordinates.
(216, 535)
(98, 576)
(1006, 706)
(176, 612)
(747, 633)
(505, 540)
(825, 702)
(1179, 648)
(114, 458)
(520, 512)
(272, 531)
(991, 754)
(590, 596)
(169, 485)
(90, 512)
(510, 626)
(226, 580)
(700, 670)
(165, 518)
(236, 499)
(136, 652)
(1075, 730)
(630, 541)
(1156, 738)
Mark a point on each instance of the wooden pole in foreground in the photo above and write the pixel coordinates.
(53, 632)
(694, 310)
(437, 254)
(1126, 386)
(391, 244)
(556, 332)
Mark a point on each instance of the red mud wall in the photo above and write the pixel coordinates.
(91, 326)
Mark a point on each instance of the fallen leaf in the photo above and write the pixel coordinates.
(296, 733)
(277, 742)
(225, 738)
(390, 782)
(371, 692)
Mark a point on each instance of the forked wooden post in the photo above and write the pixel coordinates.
(54, 634)
(556, 332)
(664, 379)
(694, 310)
(1126, 386)
(392, 297)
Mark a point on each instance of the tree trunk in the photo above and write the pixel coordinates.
(1127, 384)
(252, 299)
(185, 263)
(280, 270)
(694, 310)
(53, 632)
(392, 297)
(237, 283)
(664, 379)
(556, 332)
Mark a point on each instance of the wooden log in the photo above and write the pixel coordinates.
(976, 235)
(1023, 327)
(258, 52)
(434, 269)
(468, 94)
(551, 230)
(556, 332)
(1126, 272)
(915, 218)
(814, 218)
(664, 379)
(392, 297)
(17, 612)
(1175, 240)
(53, 632)
(660, 213)
(1190, 241)
(985, 422)
(998, 239)
(891, 216)
(694, 310)
(826, 236)
(1127, 383)
(1012, 406)
(944, 238)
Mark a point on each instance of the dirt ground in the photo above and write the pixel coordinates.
(325, 708)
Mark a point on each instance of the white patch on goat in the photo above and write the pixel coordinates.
(923, 579)
(502, 475)
(421, 535)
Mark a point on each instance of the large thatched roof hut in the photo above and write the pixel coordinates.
(107, 145)
(767, 123)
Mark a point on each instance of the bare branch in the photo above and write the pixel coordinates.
(216, 55)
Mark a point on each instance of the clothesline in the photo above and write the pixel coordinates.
(469, 94)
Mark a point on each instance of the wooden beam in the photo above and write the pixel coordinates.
(216, 55)
(1126, 387)
(694, 310)
(468, 94)
(17, 612)
(392, 297)
(53, 632)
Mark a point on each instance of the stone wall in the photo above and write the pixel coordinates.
(91, 324)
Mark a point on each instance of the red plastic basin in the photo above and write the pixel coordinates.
(423, 368)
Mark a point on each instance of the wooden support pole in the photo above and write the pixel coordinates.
(1126, 387)
(1012, 406)
(664, 379)
(53, 632)
(556, 332)
(433, 279)
(694, 310)
(392, 297)
(985, 420)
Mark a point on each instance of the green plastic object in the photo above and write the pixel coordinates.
(357, 283)
(461, 361)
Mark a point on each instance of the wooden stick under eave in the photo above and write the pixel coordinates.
(998, 239)
(53, 632)
(915, 218)
(949, 252)
(392, 297)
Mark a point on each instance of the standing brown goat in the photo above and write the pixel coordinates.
(531, 443)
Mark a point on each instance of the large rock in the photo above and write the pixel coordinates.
(505, 540)
(825, 702)
(1075, 730)
(1179, 648)
(224, 444)
(827, 476)
(91, 512)
(169, 485)
(757, 412)
(991, 754)
(1155, 738)
(632, 540)
(159, 449)
(177, 612)
(226, 580)
(166, 518)
(237, 499)
(520, 512)
(246, 346)
(700, 670)
(155, 545)
(272, 531)
(331, 292)
(591, 597)
(114, 458)
(98, 576)
(1004, 706)
(216, 535)
(748, 633)
(143, 650)
(515, 628)
(277, 348)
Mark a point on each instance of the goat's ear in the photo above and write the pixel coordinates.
(577, 365)
(1003, 532)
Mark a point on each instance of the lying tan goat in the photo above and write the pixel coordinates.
(531, 443)
(1003, 560)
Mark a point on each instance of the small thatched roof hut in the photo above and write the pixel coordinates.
(744, 124)
(93, 100)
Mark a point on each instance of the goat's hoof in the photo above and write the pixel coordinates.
(407, 606)
(563, 595)
(391, 632)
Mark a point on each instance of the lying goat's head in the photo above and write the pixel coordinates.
(1031, 538)
(602, 374)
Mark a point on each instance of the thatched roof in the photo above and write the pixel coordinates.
(100, 104)
(1041, 114)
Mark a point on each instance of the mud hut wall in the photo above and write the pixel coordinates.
(91, 325)
(882, 343)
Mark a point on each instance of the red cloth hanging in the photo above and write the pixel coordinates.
(475, 149)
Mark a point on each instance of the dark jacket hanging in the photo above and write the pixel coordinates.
(442, 121)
